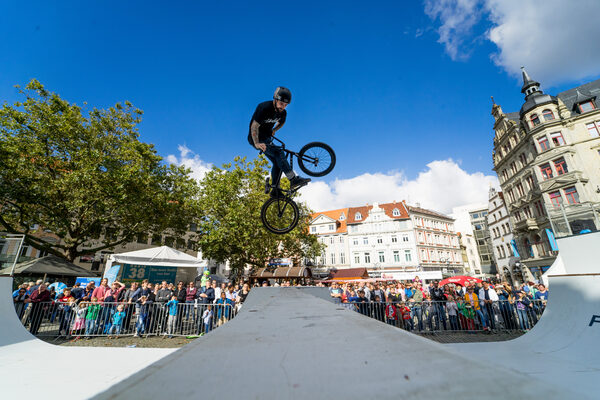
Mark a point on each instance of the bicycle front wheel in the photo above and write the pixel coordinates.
(279, 215)
(316, 159)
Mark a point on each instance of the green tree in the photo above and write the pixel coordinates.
(80, 174)
(231, 229)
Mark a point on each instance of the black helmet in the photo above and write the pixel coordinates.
(283, 94)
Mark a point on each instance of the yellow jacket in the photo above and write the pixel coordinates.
(475, 300)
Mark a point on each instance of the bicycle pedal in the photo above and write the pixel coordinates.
(267, 186)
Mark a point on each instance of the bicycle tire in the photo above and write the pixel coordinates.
(313, 154)
(280, 215)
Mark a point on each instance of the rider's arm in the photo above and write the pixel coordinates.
(254, 131)
(278, 127)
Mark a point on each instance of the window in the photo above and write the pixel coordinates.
(358, 216)
(518, 215)
(365, 240)
(396, 256)
(555, 198)
(331, 239)
(478, 227)
(561, 166)
(394, 239)
(355, 241)
(535, 120)
(332, 258)
(407, 255)
(381, 256)
(356, 258)
(543, 142)
(405, 238)
(511, 195)
(520, 189)
(594, 128)
(546, 171)
(527, 212)
(341, 239)
(331, 227)
(513, 168)
(539, 208)
(379, 240)
(548, 115)
(530, 182)
(313, 229)
(367, 258)
(571, 195)
(557, 138)
(505, 175)
(342, 217)
(475, 216)
(342, 258)
(523, 159)
(396, 212)
(587, 106)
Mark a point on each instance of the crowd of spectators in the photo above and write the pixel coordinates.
(141, 309)
(415, 306)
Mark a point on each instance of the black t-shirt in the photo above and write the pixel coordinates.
(267, 116)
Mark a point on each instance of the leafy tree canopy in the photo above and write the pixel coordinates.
(77, 173)
(231, 229)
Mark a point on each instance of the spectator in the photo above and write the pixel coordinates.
(378, 293)
(439, 299)
(191, 293)
(405, 312)
(117, 321)
(472, 301)
(116, 291)
(362, 303)
(523, 303)
(378, 309)
(207, 294)
(224, 309)
(91, 317)
(100, 291)
(65, 303)
(181, 293)
(207, 317)
(487, 296)
(79, 311)
(130, 298)
(217, 290)
(88, 292)
(391, 314)
(452, 309)
(20, 301)
(163, 296)
(416, 309)
(77, 292)
(336, 293)
(172, 321)
(143, 310)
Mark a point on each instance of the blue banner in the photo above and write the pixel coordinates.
(112, 273)
(513, 245)
(552, 240)
(84, 281)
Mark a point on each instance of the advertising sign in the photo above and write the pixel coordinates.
(136, 273)
(111, 274)
(84, 281)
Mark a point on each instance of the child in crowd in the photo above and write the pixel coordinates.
(390, 314)
(117, 321)
(207, 316)
(452, 309)
(407, 321)
(91, 317)
(79, 323)
(143, 310)
(172, 321)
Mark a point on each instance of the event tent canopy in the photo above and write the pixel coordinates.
(49, 265)
(163, 256)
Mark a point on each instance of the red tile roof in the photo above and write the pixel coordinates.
(335, 215)
(349, 273)
(389, 210)
(364, 213)
(425, 211)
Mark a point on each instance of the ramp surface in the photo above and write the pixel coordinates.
(287, 344)
(41, 370)
(563, 347)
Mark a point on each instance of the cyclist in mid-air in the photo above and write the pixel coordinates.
(267, 119)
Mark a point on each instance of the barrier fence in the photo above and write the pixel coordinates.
(106, 319)
(438, 316)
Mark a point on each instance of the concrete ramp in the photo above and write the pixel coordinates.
(563, 348)
(38, 369)
(287, 344)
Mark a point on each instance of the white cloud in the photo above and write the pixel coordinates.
(555, 40)
(190, 160)
(443, 186)
(457, 19)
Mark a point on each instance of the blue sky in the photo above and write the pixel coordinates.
(377, 81)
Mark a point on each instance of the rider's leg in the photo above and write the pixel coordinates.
(277, 157)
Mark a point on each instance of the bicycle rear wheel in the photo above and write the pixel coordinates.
(279, 215)
(316, 159)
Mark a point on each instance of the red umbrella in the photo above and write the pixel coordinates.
(459, 280)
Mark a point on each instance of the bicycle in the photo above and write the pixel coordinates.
(280, 214)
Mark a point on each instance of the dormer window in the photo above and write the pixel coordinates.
(396, 212)
(586, 106)
(548, 115)
(342, 217)
(535, 120)
(358, 216)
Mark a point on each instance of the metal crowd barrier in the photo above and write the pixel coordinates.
(88, 319)
(439, 316)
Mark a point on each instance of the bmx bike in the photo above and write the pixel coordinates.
(280, 214)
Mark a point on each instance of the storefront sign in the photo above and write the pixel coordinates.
(136, 273)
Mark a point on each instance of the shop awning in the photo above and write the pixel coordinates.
(348, 274)
(283, 272)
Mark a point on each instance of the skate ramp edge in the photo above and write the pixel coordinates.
(288, 344)
(28, 364)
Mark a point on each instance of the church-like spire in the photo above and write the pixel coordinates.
(529, 85)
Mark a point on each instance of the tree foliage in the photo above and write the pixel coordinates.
(231, 229)
(77, 173)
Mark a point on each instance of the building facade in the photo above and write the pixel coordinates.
(546, 157)
(331, 228)
(483, 241)
(500, 230)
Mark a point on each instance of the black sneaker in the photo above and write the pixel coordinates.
(276, 193)
(298, 181)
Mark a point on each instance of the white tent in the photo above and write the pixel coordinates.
(163, 256)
